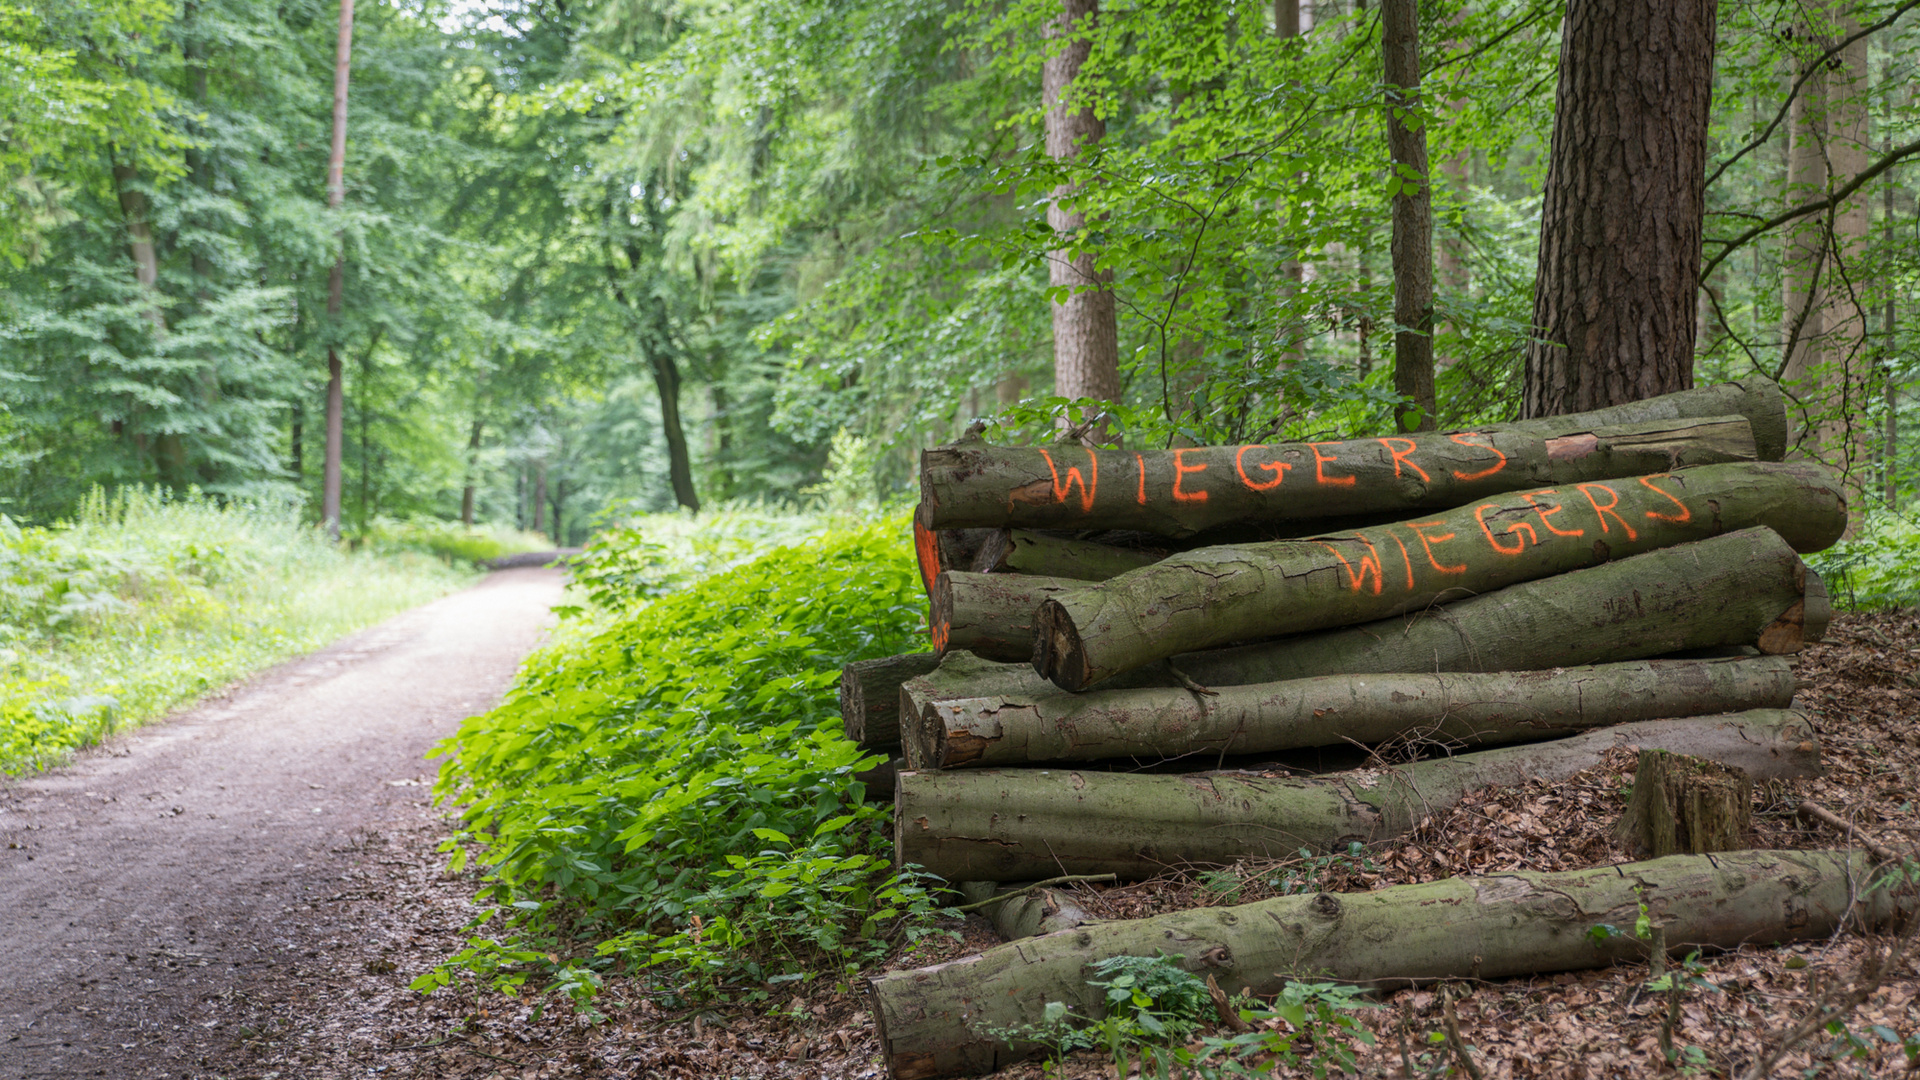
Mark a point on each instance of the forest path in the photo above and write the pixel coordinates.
(180, 865)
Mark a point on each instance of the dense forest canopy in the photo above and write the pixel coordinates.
(620, 254)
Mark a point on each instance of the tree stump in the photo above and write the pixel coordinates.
(1685, 805)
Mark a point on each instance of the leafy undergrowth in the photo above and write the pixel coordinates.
(449, 541)
(1874, 569)
(144, 602)
(667, 789)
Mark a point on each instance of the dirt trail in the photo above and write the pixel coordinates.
(179, 866)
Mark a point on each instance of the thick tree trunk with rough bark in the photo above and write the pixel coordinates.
(935, 1021)
(1412, 217)
(870, 696)
(1086, 336)
(1448, 709)
(990, 615)
(1614, 299)
(1024, 824)
(1214, 596)
(1686, 806)
(1018, 551)
(1744, 588)
(1187, 491)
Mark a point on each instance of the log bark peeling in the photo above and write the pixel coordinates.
(934, 1021)
(1182, 492)
(1215, 596)
(1451, 709)
(1025, 824)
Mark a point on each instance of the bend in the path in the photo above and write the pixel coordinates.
(168, 868)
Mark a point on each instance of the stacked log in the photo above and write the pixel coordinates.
(1111, 628)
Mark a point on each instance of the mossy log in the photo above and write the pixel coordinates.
(1183, 492)
(962, 674)
(938, 1021)
(1020, 551)
(870, 697)
(989, 615)
(1451, 709)
(1215, 596)
(1025, 824)
(1686, 806)
(1743, 588)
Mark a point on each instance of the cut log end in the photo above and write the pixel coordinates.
(940, 614)
(1057, 652)
(1684, 805)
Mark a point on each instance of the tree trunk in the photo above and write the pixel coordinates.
(1086, 337)
(1449, 709)
(1845, 436)
(870, 697)
(540, 497)
(1743, 588)
(1088, 632)
(473, 470)
(140, 249)
(935, 1021)
(1017, 551)
(666, 379)
(336, 193)
(1412, 218)
(1622, 220)
(1023, 824)
(990, 615)
(1182, 492)
(1686, 806)
(961, 674)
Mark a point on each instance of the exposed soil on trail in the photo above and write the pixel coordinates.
(309, 979)
(163, 886)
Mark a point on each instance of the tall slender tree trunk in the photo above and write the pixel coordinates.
(336, 193)
(1621, 224)
(540, 496)
(1846, 435)
(1890, 447)
(1412, 218)
(473, 471)
(1086, 336)
(1804, 262)
(1293, 272)
(666, 379)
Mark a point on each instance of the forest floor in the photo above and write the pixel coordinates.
(325, 993)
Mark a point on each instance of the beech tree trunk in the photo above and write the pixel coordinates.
(1686, 806)
(870, 697)
(1018, 551)
(935, 1021)
(1088, 632)
(1743, 588)
(990, 615)
(1412, 217)
(1086, 335)
(1448, 709)
(1621, 225)
(1757, 399)
(1183, 492)
(961, 674)
(1027, 914)
(336, 194)
(1026, 824)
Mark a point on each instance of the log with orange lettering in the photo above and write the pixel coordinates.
(1182, 492)
(1218, 595)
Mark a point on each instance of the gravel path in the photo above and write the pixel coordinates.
(155, 881)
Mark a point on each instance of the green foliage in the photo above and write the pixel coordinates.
(145, 601)
(667, 785)
(1309, 1029)
(1874, 569)
(450, 541)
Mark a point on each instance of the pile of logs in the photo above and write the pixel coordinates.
(1134, 650)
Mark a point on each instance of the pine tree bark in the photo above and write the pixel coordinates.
(330, 482)
(870, 697)
(1215, 596)
(1180, 493)
(936, 1021)
(1412, 218)
(1621, 226)
(1744, 588)
(1086, 336)
(1450, 709)
(1026, 824)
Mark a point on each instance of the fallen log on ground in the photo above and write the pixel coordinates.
(1451, 709)
(1023, 824)
(961, 674)
(1020, 551)
(938, 1021)
(1177, 493)
(1215, 596)
(870, 696)
(1743, 588)
(989, 615)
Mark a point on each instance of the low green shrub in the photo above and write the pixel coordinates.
(450, 541)
(145, 601)
(667, 786)
(1876, 568)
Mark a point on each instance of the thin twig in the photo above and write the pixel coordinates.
(1064, 879)
(1840, 195)
(1454, 1041)
(1820, 813)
